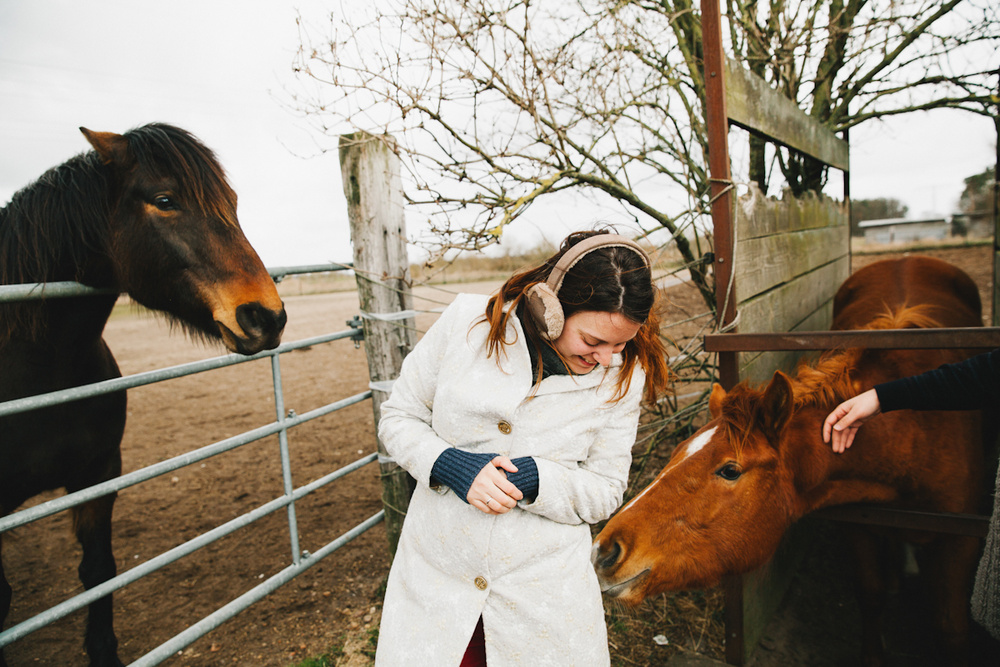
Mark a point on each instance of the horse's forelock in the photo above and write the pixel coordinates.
(906, 317)
(829, 380)
(161, 148)
(739, 413)
(826, 380)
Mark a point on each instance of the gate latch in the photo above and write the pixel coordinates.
(359, 332)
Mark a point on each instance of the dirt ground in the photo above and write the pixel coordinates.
(337, 599)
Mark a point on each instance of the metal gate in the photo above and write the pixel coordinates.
(284, 421)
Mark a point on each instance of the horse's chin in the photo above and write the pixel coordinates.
(244, 345)
(629, 592)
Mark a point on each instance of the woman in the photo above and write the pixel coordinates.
(517, 415)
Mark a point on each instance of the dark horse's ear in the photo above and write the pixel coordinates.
(776, 404)
(113, 148)
(715, 399)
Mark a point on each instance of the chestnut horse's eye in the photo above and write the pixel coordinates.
(729, 472)
(164, 203)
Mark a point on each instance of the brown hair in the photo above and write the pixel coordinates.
(609, 279)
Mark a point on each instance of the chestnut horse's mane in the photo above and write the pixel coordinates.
(826, 381)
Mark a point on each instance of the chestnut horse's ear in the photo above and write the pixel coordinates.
(715, 400)
(113, 148)
(776, 404)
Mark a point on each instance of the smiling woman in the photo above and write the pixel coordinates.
(517, 415)
(592, 338)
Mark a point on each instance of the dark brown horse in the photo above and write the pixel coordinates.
(728, 494)
(149, 213)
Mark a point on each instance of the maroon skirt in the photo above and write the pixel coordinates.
(475, 655)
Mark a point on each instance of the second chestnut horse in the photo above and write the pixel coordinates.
(729, 493)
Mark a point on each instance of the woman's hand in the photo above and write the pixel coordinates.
(843, 423)
(491, 492)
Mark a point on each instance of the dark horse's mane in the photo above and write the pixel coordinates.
(50, 227)
(826, 381)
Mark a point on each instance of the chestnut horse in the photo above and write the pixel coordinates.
(723, 502)
(150, 213)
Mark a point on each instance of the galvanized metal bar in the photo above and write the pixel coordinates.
(53, 614)
(300, 560)
(170, 648)
(149, 377)
(882, 339)
(279, 272)
(59, 289)
(67, 288)
(286, 464)
(71, 499)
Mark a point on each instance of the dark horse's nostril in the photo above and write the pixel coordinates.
(256, 320)
(609, 557)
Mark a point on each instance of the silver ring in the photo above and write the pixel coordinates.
(488, 499)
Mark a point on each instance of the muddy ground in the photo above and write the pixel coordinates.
(338, 599)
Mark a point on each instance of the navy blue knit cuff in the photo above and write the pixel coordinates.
(526, 477)
(458, 468)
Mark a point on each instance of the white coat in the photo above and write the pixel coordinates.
(527, 572)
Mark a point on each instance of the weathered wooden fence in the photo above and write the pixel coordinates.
(778, 265)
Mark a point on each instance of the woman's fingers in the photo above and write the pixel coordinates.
(501, 463)
(491, 492)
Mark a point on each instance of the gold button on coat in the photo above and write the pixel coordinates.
(480, 583)
(504, 426)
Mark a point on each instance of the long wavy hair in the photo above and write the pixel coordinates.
(609, 279)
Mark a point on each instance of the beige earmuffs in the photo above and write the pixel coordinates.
(543, 298)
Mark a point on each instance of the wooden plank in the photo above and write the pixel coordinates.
(876, 515)
(758, 368)
(767, 261)
(764, 588)
(786, 306)
(754, 105)
(986, 338)
(758, 215)
(996, 288)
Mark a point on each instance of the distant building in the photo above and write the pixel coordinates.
(905, 230)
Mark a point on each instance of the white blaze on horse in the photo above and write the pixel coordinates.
(729, 493)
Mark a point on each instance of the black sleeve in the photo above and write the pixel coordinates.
(457, 469)
(972, 384)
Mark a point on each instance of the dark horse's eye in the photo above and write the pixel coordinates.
(729, 472)
(164, 203)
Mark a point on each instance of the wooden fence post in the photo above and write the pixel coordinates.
(374, 191)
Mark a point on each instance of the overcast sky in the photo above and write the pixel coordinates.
(220, 69)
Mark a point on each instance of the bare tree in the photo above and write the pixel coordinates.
(847, 62)
(496, 103)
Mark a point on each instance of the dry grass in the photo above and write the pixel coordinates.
(688, 621)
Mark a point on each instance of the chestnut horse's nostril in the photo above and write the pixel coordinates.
(607, 556)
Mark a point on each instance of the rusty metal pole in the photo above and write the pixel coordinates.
(717, 126)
